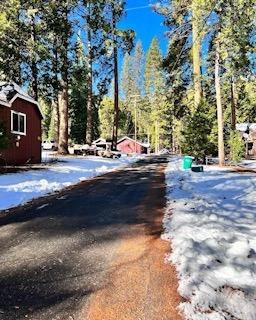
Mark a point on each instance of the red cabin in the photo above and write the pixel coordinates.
(21, 117)
(128, 145)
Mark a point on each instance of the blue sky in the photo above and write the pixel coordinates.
(146, 23)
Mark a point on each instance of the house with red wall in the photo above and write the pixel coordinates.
(129, 145)
(21, 116)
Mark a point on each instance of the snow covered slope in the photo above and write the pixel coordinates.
(211, 220)
(18, 188)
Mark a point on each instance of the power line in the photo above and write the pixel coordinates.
(138, 8)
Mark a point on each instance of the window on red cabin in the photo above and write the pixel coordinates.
(18, 123)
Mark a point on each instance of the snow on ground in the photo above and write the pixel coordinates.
(19, 188)
(211, 220)
(250, 164)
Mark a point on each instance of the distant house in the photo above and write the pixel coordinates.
(128, 145)
(102, 143)
(21, 116)
(248, 131)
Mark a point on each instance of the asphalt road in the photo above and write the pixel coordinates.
(56, 254)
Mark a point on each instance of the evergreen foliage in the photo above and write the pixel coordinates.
(106, 117)
(196, 131)
(237, 146)
(165, 99)
(193, 26)
(78, 95)
(157, 107)
(4, 139)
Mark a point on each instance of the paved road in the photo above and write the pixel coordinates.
(60, 258)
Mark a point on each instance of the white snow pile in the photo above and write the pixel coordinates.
(19, 188)
(249, 164)
(211, 221)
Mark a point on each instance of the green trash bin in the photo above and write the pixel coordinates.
(187, 162)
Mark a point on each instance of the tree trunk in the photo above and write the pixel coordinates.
(63, 103)
(116, 94)
(55, 122)
(156, 136)
(63, 119)
(34, 70)
(54, 125)
(219, 109)
(196, 50)
(233, 105)
(89, 126)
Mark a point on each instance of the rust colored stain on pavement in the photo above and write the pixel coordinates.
(140, 286)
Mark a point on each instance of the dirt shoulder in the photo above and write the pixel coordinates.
(140, 284)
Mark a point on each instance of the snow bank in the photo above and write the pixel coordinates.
(211, 220)
(250, 164)
(18, 188)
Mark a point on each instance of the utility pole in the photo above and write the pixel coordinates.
(116, 85)
(135, 119)
(135, 124)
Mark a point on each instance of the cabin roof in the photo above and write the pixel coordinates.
(10, 91)
(244, 127)
(145, 145)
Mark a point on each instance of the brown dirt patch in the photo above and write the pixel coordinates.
(140, 286)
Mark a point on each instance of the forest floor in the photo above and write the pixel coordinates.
(91, 253)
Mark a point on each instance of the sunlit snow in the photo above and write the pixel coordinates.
(211, 220)
(18, 188)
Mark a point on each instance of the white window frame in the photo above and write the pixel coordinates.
(25, 123)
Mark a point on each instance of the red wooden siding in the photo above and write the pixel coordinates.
(129, 146)
(29, 149)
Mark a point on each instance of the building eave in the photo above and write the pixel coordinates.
(4, 103)
(138, 142)
(28, 99)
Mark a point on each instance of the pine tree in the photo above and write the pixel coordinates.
(46, 123)
(64, 41)
(127, 77)
(79, 95)
(155, 95)
(11, 44)
(137, 69)
(118, 40)
(227, 24)
(232, 42)
(106, 117)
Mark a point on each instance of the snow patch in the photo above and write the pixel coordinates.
(211, 221)
(19, 188)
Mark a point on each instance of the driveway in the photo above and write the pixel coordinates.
(91, 253)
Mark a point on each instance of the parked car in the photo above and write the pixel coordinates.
(109, 154)
(164, 151)
(49, 145)
(85, 149)
(93, 150)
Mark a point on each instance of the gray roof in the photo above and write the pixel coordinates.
(243, 127)
(9, 91)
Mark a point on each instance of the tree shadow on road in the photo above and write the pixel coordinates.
(51, 258)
